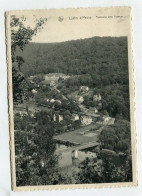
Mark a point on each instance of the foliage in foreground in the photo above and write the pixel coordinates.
(20, 37)
(106, 172)
(117, 137)
(35, 158)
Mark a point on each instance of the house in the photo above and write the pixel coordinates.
(52, 83)
(32, 115)
(80, 99)
(54, 117)
(86, 120)
(108, 120)
(52, 76)
(23, 113)
(111, 121)
(75, 117)
(97, 97)
(61, 118)
(52, 100)
(57, 118)
(59, 101)
(31, 78)
(105, 119)
(84, 89)
(100, 104)
(55, 76)
(34, 91)
(93, 110)
(42, 163)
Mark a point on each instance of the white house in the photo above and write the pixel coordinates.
(52, 100)
(59, 101)
(75, 117)
(34, 91)
(55, 76)
(93, 110)
(60, 118)
(32, 115)
(86, 120)
(108, 120)
(22, 113)
(97, 97)
(105, 119)
(84, 88)
(52, 83)
(42, 164)
(54, 117)
(80, 99)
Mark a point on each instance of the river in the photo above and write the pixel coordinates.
(65, 159)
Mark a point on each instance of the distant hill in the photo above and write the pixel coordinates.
(100, 63)
(95, 55)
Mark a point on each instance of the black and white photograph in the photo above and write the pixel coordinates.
(71, 91)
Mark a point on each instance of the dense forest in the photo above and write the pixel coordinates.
(101, 57)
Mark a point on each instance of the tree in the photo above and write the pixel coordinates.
(104, 172)
(117, 137)
(88, 173)
(38, 156)
(20, 37)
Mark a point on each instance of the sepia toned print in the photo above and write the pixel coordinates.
(71, 98)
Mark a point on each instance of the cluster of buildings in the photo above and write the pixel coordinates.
(88, 116)
(84, 119)
(84, 91)
(52, 78)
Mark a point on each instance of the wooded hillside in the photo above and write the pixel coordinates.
(105, 56)
(100, 63)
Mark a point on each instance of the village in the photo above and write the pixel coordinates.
(71, 108)
(77, 127)
(80, 112)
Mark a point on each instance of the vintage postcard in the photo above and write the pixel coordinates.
(71, 98)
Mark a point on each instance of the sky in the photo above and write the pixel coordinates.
(72, 24)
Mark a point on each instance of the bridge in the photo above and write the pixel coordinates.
(80, 147)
